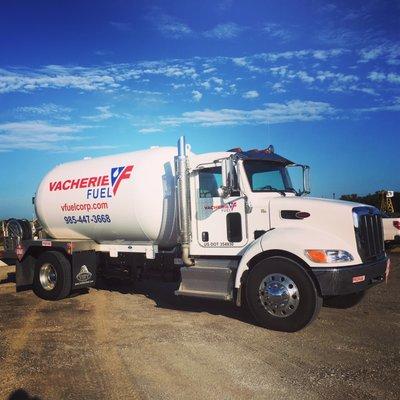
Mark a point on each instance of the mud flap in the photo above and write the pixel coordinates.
(84, 269)
(24, 271)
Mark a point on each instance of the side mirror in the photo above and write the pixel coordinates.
(302, 177)
(306, 180)
(229, 178)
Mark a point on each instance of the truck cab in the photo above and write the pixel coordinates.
(231, 199)
(286, 252)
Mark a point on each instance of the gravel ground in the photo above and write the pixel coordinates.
(142, 342)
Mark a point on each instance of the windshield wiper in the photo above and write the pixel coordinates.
(272, 189)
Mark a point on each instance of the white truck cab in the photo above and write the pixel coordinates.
(230, 224)
(291, 251)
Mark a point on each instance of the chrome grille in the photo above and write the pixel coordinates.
(369, 233)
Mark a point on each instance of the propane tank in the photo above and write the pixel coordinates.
(123, 197)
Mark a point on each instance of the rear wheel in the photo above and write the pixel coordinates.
(52, 278)
(281, 295)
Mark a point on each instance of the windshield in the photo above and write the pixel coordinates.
(267, 177)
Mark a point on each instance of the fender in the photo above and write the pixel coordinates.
(295, 241)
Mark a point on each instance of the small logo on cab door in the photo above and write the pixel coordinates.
(84, 274)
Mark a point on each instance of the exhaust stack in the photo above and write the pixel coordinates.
(183, 200)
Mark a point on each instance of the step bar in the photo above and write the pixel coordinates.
(209, 278)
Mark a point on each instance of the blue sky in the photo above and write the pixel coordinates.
(320, 80)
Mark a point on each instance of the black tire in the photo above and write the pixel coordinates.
(345, 301)
(26, 228)
(62, 284)
(308, 299)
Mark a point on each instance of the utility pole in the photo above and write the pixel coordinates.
(386, 201)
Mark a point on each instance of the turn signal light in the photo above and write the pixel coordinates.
(396, 224)
(317, 256)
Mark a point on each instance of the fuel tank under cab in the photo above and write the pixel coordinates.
(129, 196)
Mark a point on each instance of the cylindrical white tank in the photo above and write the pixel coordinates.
(128, 197)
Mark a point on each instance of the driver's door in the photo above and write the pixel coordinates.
(221, 222)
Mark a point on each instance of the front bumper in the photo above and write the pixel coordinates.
(347, 280)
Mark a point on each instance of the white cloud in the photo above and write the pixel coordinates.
(370, 54)
(241, 61)
(361, 89)
(108, 78)
(37, 135)
(102, 53)
(55, 77)
(389, 51)
(177, 85)
(150, 130)
(277, 32)
(46, 109)
(232, 88)
(247, 63)
(261, 62)
(272, 113)
(308, 66)
(217, 81)
(214, 82)
(335, 81)
(197, 95)
(336, 77)
(318, 54)
(278, 87)
(34, 127)
(303, 76)
(395, 106)
(104, 113)
(391, 77)
(281, 70)
(251, 94)
(175, 29)
(229, 30)
(377, 76)
(169, 70)
(168, 25)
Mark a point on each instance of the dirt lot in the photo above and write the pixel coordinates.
(144, 343)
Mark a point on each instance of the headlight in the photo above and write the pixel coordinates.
(328, 256)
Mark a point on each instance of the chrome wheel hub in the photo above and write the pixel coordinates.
(48, 276)
(279, 295)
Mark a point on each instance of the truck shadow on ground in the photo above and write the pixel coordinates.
(10, 278)
(21, 394)
(162, 293)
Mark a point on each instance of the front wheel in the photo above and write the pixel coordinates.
(52, 278)
(281, 295)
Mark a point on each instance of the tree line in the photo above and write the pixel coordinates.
(373, 199)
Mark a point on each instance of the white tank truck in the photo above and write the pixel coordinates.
(229, 223)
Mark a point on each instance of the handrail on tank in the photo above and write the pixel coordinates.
(183, 196)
